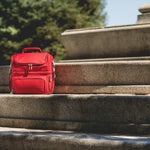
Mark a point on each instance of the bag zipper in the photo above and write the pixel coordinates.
(30, 66)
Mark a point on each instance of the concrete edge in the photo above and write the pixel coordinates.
(113, 28)
(103, 89)
(86, 127)
(52, 140)
(106, 59)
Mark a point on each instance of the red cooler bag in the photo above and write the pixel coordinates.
(32, 73)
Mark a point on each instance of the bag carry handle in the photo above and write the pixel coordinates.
(31, 48)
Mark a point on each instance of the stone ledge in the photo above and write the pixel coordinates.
(107, 89)
(106, 59)
(103, 89)
(86, 127)
(54, 140)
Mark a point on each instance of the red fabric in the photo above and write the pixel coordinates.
(32, 73)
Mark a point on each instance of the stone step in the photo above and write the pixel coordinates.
(119, 41)
(100, 77)
(25, 139)
(122, 114)
(97, 73)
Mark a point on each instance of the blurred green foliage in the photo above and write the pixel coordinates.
(39, 23)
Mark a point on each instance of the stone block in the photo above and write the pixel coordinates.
(143, 18)
(119, 41)
(4, 75)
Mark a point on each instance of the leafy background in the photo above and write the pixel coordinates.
(39, 23)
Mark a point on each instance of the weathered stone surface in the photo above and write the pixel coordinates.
(103, 73)
(4, 89)
(143, 19)
(26, 139)
(117, 76)
(85, 113)
(53, 140)
(145, 8)
(101, 89)
(4, 75)
(87, 127)
(107, 89)
(145, 16)
(106, 59)
(131, 40)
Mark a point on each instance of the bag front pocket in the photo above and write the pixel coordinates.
(29, 86)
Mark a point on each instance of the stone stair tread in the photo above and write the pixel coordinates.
(106, 59)
(20, 138)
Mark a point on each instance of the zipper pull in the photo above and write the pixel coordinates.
(30, 66)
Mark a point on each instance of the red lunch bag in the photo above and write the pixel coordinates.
(32, 73)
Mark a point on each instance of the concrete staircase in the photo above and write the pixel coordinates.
(72, 121)
(99, 103)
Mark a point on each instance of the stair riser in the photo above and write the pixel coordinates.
(104, 73)
(120, 41)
